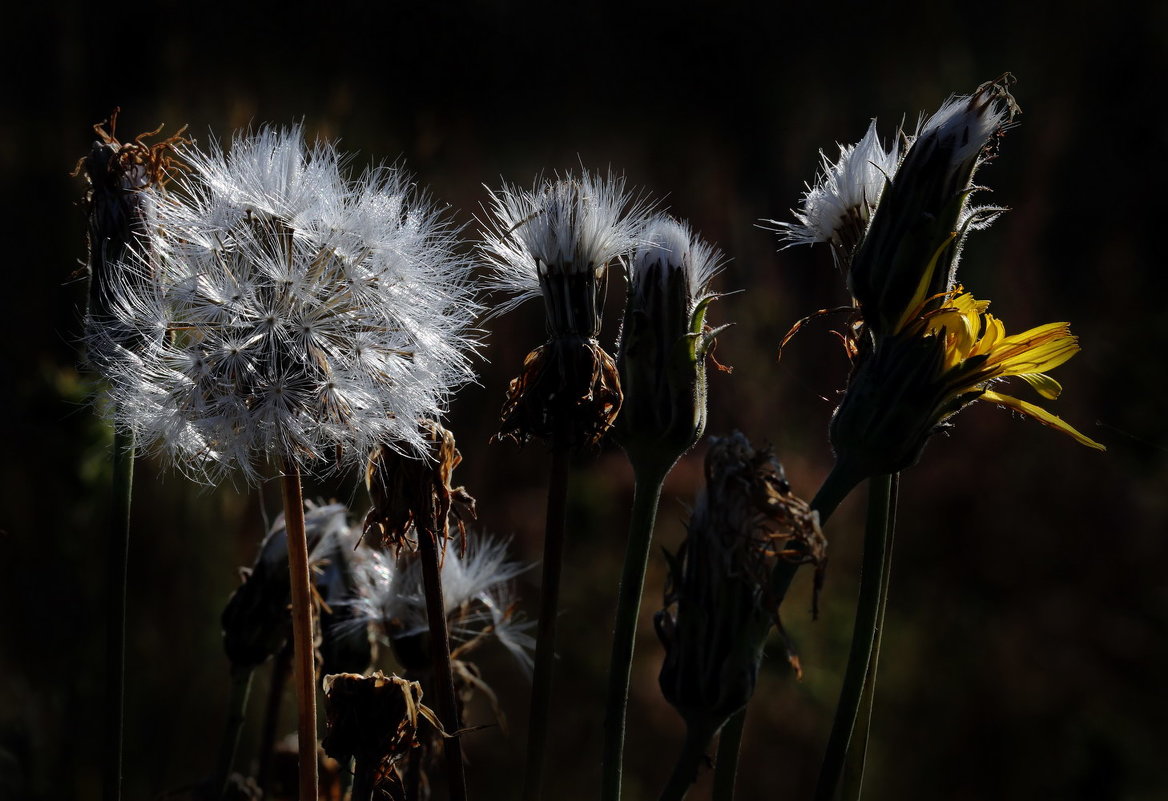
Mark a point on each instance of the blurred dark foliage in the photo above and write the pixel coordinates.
(1028, 620)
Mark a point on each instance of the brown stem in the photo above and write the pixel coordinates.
(303, 669)
(440, 655)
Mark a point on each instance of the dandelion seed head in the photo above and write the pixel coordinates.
(560, 226)
(291, 312)
(669, 247)
(840, 204)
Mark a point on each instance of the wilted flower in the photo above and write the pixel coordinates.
(287, 313)
(910, 249)
(375, 721)
(720, 600)
(838, 208)
(665, 342)
(932, 367)
(256, 621)
(558, 240)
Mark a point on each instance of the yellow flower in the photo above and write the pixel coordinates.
(977, 351)
(940, 357)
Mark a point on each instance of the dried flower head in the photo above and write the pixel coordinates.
(911, 247)
(558, 240)
(120, 214)
(289, 314)
(838, 208)
(664, 343)
(720, 602)
(373, 720)
(256, 621)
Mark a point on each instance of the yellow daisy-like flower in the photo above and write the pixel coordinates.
(977, 351)
(940, 357)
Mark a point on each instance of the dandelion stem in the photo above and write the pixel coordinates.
(863, 636)
(440, 654)
(726, 763)
(545, 647)
(303, 669)
(646, 497)
(364, 779)
(116, 571)
(236, 715)
(685, 772)
(281, 666)
(853, 779)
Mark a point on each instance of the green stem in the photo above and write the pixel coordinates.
(685, 772)
(853, 781)
(863, 636)
(440, 655)
(236, 715)
(281, 667)
(545, 646)
(303, 667)
(116, 570)
(646, 497)
(726, 764)
(838, 484)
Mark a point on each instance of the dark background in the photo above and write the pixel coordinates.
(1025, 655)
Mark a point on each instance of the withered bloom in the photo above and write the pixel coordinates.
(409, 493)
(256, 621)
(558, 241)
(119, 212)
(373, 720)
(721, 599)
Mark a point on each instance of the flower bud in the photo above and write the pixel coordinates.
(664, 344)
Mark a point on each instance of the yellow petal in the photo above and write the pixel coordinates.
(1042, 416)
(1046, 386)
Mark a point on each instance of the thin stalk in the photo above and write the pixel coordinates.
(545, 646)
(236, 715)
(364, 780)
(853, 781)
(115, 653)
(303, 669)
(646, 497)
(863, 636)
(685, 772)
(440, 655)
(281, 667)
(726, 764)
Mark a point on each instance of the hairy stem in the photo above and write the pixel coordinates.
(863, 636)
(236, 715)
(853, 779)
(545, 647)
(303, 667)
(646, 497)
(726, 764)
(440, 656)
(115, 655)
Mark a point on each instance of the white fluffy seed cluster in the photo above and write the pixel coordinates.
(561, 225)
(848, 188)
(288, 314)
(668, 246)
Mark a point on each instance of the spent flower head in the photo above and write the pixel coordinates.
(557, 241)
(664, 343)
(288, 313)
(837, 209)
(720, 601)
